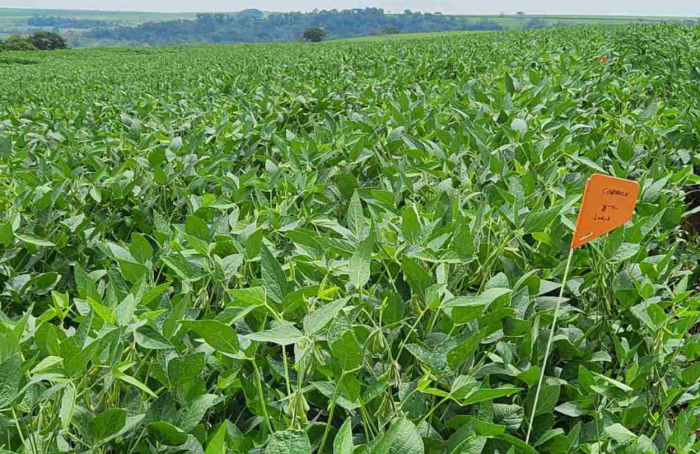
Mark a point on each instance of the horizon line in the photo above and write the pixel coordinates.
(311, 10)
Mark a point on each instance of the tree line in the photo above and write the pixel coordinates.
(37, 41)
(254, 26)
(67, 22)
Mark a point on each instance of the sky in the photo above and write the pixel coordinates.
(598, 7)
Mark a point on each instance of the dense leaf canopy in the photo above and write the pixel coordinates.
(296, 248)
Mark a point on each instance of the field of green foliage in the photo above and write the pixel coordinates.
(350, 247)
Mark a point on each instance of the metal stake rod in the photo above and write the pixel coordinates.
(549, 345)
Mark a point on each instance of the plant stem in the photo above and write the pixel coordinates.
(262, 397)
(286, 372)
(330, 414)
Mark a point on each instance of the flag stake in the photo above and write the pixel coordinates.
(549, 345)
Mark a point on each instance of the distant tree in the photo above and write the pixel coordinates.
(407, 12)
(375, 32)
(521, 13)
(390, 30)
(16, 42)
(314, 34)
(534, 23)
(251, 13)
(222, 28)
(213, 18)
(66, 22)
(48, 41)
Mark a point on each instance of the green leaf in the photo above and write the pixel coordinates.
(468, 308)
(417, 277)
(35, 241)
(10, 378)
(328, 390)
(683, 435)
(620, 434)
(588, 163)
(518, 443)
(571, 409)
(46, 363)
(78, 362)
(273, 276)
(190, 416)
(167, 434)
(147, 337)
(401, 438)
(253, 244)
(217, 445)
(615, 383)
(407, 439)
(554, 441)
(252, 296)
(104, 312)
(5, 147)
(530, 376)
(519, 125)
(280, 334)
(107, 423)
(159, 176)
(410, 226)
(184, 268)
(356, 217)
(219, 336)
(346, 350)
(86, 286)
(140, 248)
(625, 251)
(691, 374)
(132, 381)
(360, 261)
(343, 443)
(471, 445)
(196, 227)
(585, 379)
(185, 369)
(6, 234)
(124, 312)
(538, 220)
(625, 150)
(132, 272)
(509, 84)
(289, 442)
(387, 440)
(484, 299)
(549, 395)
(67, 405)
(488, 394)
(154, 293)
(314, 322)
(510, 416)
(465, 438)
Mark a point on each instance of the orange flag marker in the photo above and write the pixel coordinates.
(608, 203)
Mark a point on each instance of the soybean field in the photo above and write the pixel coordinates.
(350, 247)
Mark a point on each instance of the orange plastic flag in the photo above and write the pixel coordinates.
(608, 203)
